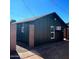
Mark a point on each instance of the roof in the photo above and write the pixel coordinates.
(36, 18)
(33, 18)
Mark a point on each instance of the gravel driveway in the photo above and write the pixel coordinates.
(57, 50)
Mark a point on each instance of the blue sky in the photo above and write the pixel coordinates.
(23, 9)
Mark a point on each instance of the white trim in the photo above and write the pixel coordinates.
(22, 28)
(55, 18)
(52, 37)
(52, 32)
(52, 27)
(58, 27)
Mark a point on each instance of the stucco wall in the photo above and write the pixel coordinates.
(12, 37)
(31, 36)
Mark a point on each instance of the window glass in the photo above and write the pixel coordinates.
(52, 37)
(52, 32)
(55, 18)
(58, 27)
(22, 28)
(52, 28)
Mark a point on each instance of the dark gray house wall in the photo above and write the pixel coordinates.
(42, 29)
(23, 36)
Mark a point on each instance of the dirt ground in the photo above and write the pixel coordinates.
(57, 50)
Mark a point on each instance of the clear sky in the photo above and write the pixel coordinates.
(22, 9)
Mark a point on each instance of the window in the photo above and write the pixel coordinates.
(51, 26)
(52, 32)
(55, 18)
(58, 27)
(52, 37)
(22, 28)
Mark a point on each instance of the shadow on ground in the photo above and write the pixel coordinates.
(14, 55)
(22, 45)
(58, 50)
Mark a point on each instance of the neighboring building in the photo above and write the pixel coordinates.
(66, 32)
(40, 30)
(12, 21)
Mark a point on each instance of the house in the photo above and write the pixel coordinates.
(40, 30)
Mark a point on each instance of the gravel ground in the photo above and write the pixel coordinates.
(57, 50)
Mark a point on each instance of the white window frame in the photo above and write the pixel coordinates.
(58, 27)
(52, 32)
(52, 38)
(52, 27)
